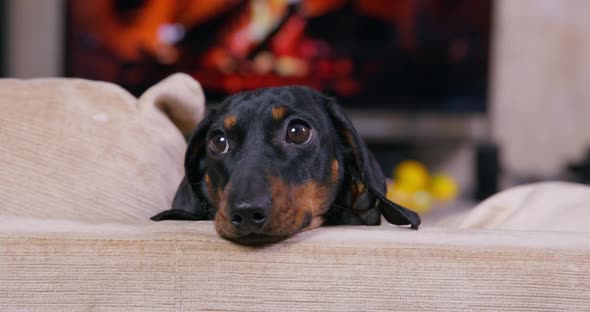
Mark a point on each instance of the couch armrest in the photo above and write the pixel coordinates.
(184, 266)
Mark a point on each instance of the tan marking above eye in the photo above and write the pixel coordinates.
(279, 112)
(230, 121)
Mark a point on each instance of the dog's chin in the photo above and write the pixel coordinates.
(256, 239)
(266, 238)
(227, 232)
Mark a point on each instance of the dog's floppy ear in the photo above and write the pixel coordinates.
(189, 202)
(368, 171)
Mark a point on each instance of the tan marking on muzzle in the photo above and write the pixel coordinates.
(292, 205)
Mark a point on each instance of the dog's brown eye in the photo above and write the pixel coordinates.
(218, 144)
(298, 133)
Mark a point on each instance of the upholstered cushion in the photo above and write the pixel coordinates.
(87, 150)
(546, 206)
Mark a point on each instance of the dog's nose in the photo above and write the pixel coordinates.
(249, 216)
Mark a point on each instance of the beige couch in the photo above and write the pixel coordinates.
(84, 164)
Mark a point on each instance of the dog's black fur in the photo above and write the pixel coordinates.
(270, 184)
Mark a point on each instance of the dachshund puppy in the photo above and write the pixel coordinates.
(267, 164)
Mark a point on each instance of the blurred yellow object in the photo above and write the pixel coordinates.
(412, 174)
(397, 193)
(420, 201)
(443, 187)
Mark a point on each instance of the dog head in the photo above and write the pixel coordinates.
(270, 163)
